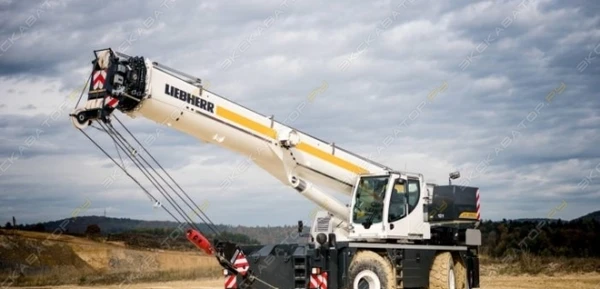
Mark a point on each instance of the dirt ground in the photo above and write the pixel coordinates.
(587, 281)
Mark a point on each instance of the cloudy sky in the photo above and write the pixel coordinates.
(507, 92)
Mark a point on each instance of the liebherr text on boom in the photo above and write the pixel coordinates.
(396, 230)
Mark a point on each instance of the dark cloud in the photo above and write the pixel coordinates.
(400, 52)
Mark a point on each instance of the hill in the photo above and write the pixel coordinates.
(591, 216)
(119, 227)
(536, 220)
(108, 225)
(34, 258)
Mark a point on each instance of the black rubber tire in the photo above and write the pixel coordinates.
(461, 273)
(441, 270)
(368, 264)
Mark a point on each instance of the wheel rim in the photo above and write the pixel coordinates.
(451, 281)
(367, 280)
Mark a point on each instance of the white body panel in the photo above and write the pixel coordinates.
(325, 223)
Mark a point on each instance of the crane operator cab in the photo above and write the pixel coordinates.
(388, 206)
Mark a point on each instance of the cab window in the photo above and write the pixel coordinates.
(398, 201)
(414, 193)
(404, 199)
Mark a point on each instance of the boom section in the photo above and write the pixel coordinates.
(139, 87)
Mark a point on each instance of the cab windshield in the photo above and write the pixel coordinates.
(368, 208)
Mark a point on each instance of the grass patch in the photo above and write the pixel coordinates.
(526, 263)
(60, 277)
(30, 261)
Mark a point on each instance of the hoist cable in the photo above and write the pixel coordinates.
(137, 165)
(130, 153)
(119, 154)
(87, 82)
(127, 173)
(119, 135)
(206, 219)
(208, 222)
(151, 178)
(167, 195)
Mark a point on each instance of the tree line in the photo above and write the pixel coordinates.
(547, 238)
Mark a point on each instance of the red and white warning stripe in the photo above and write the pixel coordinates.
(111, 101)
(240, 263)
(230, 282)
(98, 79)
(318, 281)
(478, 205)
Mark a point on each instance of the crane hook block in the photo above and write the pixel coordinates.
(200, 241)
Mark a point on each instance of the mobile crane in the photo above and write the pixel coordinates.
(396, 232)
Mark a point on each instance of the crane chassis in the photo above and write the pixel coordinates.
(397, 231)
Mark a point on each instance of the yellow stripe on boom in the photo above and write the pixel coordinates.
(330, 158)
(265, 130)
(246, 122)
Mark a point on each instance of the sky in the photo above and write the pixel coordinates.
(506, 92)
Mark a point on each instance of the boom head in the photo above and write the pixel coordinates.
(116, 82)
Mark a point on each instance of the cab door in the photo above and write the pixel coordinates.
(403, 218)
(368, 206)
